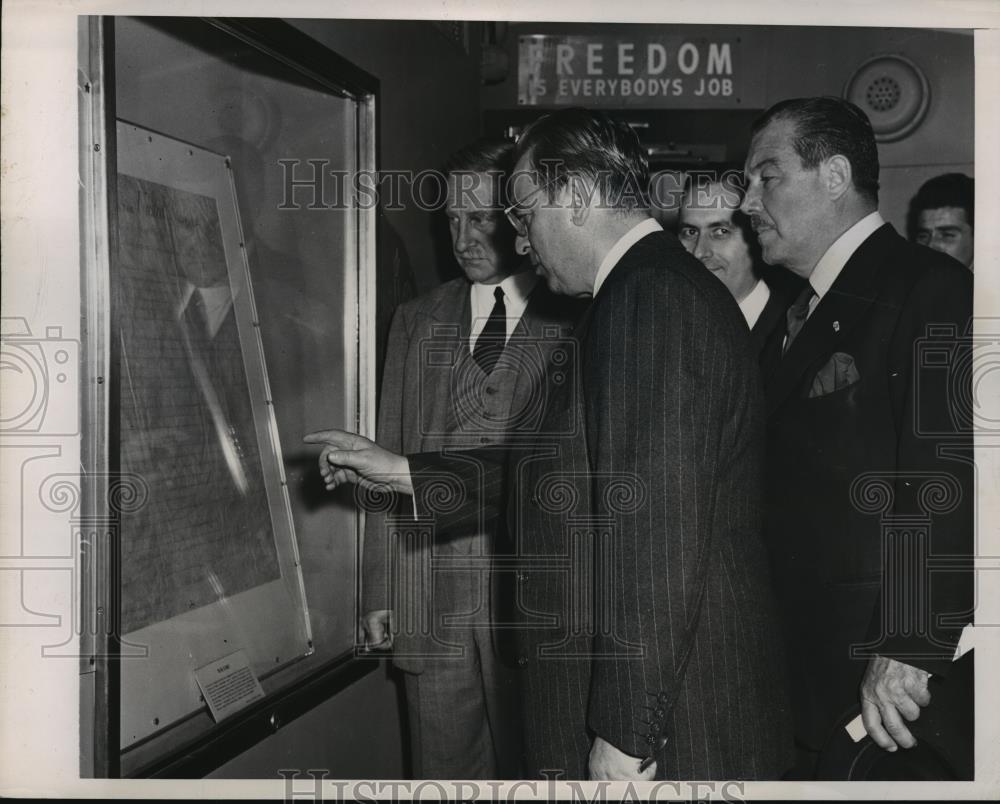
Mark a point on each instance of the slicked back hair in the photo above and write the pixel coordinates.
(588, 144)
(826, 126)
(492, 156)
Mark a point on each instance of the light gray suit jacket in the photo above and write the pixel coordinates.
(434, 396)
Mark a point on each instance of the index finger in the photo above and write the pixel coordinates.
(336, 438)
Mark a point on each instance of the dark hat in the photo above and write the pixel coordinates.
(944, 732)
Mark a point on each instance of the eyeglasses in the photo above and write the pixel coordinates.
(514, 214)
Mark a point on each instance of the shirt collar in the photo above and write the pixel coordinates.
(835, 258)
(754, 302)
(625, 242)
(516, 289)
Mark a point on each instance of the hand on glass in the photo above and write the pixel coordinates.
(351, 458)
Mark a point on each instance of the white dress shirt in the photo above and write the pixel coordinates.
(835, 258)
(625, 242)
(516, 290)
(754, 302)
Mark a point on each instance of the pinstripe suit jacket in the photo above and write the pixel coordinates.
(434, 396)
(638, 537)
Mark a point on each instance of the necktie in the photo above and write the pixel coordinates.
(490, 343)
(796, 316)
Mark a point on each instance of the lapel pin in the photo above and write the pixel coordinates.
(836, 326)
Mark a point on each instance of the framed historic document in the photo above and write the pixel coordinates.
(209, 561)
(229, 308)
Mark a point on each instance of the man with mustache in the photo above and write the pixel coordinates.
(460, 371)
(861, 431)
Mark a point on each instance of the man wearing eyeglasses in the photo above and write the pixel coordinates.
(458, 374)
(648, 641)
(671, 403)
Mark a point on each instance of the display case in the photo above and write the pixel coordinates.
(229, 279)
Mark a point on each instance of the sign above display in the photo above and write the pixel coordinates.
(653, 71)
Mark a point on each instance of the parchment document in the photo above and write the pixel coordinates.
(186, 414)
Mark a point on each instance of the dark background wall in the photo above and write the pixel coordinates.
(429, 108)
(816, 62)
(784, 62)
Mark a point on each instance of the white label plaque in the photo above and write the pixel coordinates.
(228, 684)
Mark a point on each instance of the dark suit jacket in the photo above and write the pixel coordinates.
(638, 537)
(435, 396)
(863, 462)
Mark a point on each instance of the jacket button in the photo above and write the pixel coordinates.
(522, 660)
(522, 577)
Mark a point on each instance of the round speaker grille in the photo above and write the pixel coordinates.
(893, 92)
(883, 94)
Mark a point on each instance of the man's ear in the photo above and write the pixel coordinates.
(582, 197)
(836, 172)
